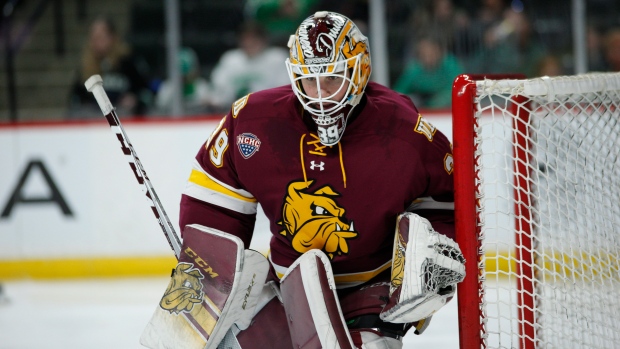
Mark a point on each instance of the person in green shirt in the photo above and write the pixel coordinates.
(510, 46)
(280, 17)
(428, 78)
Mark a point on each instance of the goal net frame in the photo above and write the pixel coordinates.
(469, 220)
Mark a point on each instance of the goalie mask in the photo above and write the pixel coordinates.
(329, 68)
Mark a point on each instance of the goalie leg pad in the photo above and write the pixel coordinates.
(216, 284)
(269, 328)
(368, 339)
(311, 304)
(426, 267)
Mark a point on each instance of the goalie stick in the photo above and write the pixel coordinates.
(94, 84)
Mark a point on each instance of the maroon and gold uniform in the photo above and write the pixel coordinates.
(341, 199)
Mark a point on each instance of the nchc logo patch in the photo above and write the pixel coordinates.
(248, 144)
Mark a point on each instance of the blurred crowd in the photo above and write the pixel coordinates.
(439, 40)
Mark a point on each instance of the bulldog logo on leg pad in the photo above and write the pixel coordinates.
(184, 289)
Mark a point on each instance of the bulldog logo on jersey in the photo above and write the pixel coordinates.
(248, 144)
(314, 220)
(184, 289)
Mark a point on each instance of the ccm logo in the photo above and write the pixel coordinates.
(201, 263)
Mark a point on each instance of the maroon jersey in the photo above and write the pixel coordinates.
(342, 199)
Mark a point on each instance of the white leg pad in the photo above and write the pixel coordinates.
(217, 284)
(374, 341)
(311, 304)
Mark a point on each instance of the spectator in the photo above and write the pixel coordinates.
(594, 40)
(428, 79)
(491, 13)
(253, 66)
(195, 89)
(357, 10)
(448, 23)
(549, 65)
(279, 17)
(612, 50)
(509, 47)
(106, 54)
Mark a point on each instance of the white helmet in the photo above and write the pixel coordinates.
(329, 44)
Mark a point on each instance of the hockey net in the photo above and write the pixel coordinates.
(537, 194)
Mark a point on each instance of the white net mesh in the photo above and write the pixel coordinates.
(444, 271)
(552, 181)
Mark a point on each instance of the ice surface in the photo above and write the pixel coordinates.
(111, 313)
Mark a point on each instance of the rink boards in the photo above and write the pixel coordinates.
(71, 207)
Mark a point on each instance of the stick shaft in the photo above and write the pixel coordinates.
(94, 84)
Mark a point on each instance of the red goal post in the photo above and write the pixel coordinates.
(537, 197)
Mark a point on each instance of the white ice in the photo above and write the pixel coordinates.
(111, 314)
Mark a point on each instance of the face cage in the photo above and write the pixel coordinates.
(324, 114)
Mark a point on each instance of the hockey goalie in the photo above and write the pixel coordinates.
(362, 246)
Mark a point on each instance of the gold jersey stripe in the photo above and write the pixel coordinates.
(203, 180)
(361, 277)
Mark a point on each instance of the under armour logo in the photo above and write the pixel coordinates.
(313, 165)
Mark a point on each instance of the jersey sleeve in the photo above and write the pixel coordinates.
(214, 196)
(437, 203)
